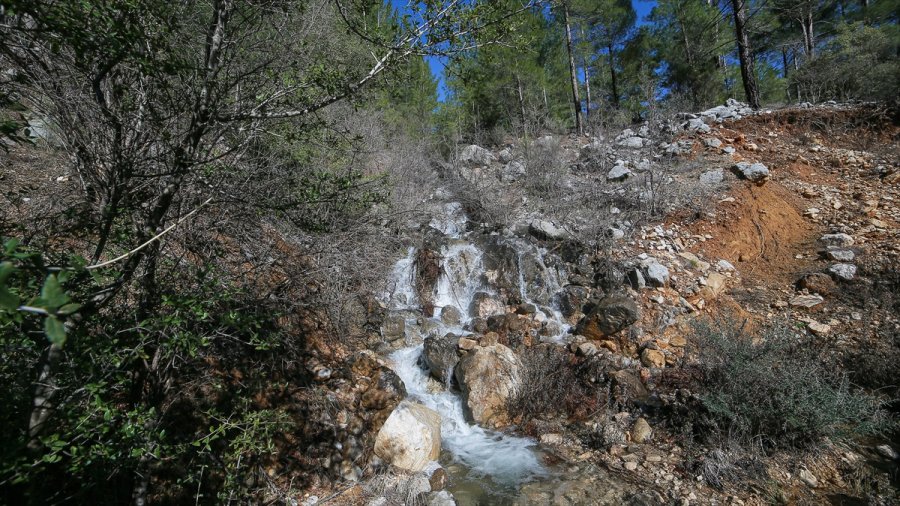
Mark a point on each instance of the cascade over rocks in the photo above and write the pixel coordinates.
(609, 316)
(410, 438)
(488, 377)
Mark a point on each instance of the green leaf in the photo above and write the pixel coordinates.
(10, 246)
(52, 293)
(8, 300)
(68, 309)
(55, 330)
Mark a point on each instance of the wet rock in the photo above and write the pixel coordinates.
(753, 172)
(641, 431)
(410, 438)
(612, 314)
(438, 479)
(440, 355)
(839, 240)
(817, 282)
(393, 328)
(450, 315)
(488, 377)
(484, 306)
(441, 498)
(475, 155)
(572, 299)
(843, 272)
(466, 344)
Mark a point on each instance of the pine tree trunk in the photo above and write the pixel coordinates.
(521, 98)
(612, 75)
(809, 40)
(587, 87)
(745, 53)
(587, 83)
(784, 62)
(575, 98)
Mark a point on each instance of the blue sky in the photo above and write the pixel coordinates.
(642, 7)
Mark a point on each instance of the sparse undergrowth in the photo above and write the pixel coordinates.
(776, 388)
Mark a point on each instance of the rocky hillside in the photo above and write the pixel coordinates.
(605, 295)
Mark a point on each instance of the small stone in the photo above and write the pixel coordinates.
(712, 177)
(712, 142)
(845, 272)
(631, 466)
(653, 358)
(819, 329)
(808, 478)
(840, 255)
(587, 349)
(551, 439)
(817, 282)
(886, 451)
(439, 479)
(657, 274)
(641, 431)
(724, 266)
(807, 301)
(618, 173)
(753, 172)
(840, 240)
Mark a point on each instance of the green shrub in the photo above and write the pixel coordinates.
(776, 387)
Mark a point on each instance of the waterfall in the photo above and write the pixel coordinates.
(506, 459)
(503, 459)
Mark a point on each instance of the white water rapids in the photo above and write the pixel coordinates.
(502, 459)
(506, 459)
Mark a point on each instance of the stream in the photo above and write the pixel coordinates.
(485, 466)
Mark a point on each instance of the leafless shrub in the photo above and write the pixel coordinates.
(555, 382)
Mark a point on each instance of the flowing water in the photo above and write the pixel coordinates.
(485, 466)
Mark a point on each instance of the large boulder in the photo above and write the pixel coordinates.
(612, 314)
(380, 389)
(410, 438)
(543, 229)
(633, 142)
(475, 155)
(440, 355)
(488, 377)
